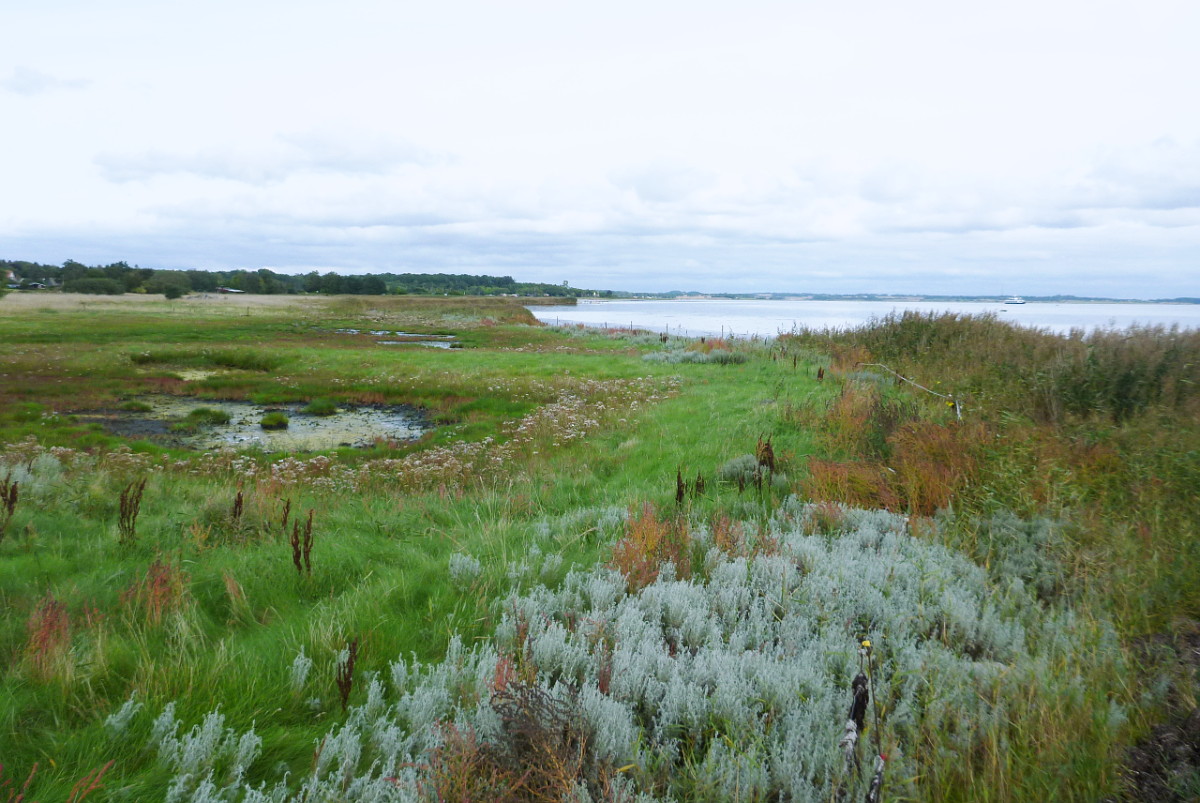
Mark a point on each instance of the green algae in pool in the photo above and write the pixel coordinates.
(351, 426)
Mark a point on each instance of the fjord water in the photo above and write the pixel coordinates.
(767, 318)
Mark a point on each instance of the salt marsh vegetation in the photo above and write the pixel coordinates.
(610, 571)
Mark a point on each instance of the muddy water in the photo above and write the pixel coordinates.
(351, 426)
(428, 343)
(409, 338)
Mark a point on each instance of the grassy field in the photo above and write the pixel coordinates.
(615, 568)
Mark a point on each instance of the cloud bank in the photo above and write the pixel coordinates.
(927, 149)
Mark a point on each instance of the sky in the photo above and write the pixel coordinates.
(931, 146)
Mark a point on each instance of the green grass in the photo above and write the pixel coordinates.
(197, 419)
(274, 420)
(603, 428)
(321, 407)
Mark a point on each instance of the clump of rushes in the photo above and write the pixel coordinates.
(321, 407)
(274, 420)
(136, 407)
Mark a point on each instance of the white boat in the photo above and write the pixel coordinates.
(1014, 300)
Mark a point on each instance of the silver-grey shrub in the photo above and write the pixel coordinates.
(464, 569)
(733, 684)
(674, 356)
(742, 469)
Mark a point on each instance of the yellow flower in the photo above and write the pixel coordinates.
(867, 643)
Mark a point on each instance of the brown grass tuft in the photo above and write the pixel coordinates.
(826, 517)
(933, 462)
(542, 757)
(48, 648)
(729, 535)
(647, 543)
(857, 484)
(164, 588)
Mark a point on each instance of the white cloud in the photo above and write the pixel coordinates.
(28, 81)
(663, 182)
(283, 156)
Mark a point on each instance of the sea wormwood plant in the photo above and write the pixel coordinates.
(741, 471)
(130, 506)
(464, 569)
(730, 685)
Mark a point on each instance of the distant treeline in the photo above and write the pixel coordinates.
(121, 277)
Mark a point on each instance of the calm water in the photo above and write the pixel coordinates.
(769, 318)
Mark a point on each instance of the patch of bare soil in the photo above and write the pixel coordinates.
(1165, 766)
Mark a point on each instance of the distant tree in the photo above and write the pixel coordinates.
(331, 284)
(202, 280)
(118, 271)
(160, 280)
(99, 286)
(173, 291)
(271, 283)
(312, 282)
(248, 282)
(135, 278)
(73, 270)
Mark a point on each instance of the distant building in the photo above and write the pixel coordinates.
(229, 290)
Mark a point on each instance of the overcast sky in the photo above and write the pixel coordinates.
(926, 146)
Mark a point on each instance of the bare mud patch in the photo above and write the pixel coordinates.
(165, 420)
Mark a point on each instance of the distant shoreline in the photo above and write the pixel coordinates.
(885, 298)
